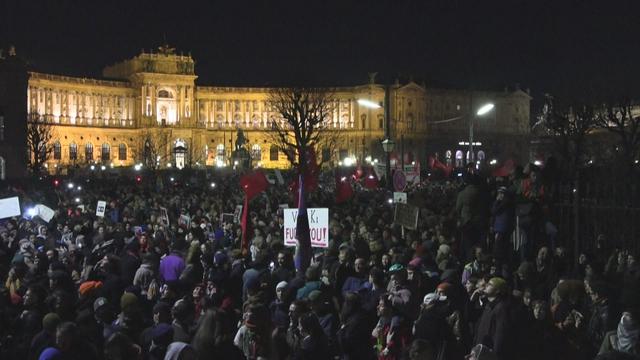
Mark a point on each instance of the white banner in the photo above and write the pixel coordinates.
(9, 207)
(101, 208)
(318, 227)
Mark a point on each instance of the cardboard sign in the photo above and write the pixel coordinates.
(399, 197)
(101, 208)
(44, 212)
(406, 216)
(318, 227)
(164, 215)
(9, 207)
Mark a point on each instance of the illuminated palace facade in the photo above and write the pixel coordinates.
(155, 96)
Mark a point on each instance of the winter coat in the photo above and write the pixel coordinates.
(601, 321)
(354, 337)
(494, 328)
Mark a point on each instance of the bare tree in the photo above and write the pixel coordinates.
(39, 134)
(623, 121)
(152, 149)
(303, 128)
(304, 124)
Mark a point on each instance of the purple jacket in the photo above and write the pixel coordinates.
(171, 267)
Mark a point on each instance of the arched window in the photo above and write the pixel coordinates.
(164, 94)
(273, 153)
(459, 158)
(3, 174)
(256, 152)
(73, 151)
(106, 152)
(481, 155)
(88, 151)
(122, 151)
(57, 151)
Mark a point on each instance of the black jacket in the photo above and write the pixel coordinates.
(494, 328)
(602, 320)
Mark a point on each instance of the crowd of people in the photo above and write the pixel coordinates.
(162, 275)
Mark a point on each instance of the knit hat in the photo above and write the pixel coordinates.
(396, 267)
(220, 258)
(162, 334)
(281, 284)
(100, 302)
(315, 295)
(128, 300)
(50, 322)
(432, 298)
(499, 283)
(88, 288)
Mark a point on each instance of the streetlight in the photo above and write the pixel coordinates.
(387, 143)
(387, 146)
(482, 110)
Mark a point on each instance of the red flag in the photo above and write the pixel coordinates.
(371, 180)
(505, 169)
(436, 164)
(344, 191)
(253, 183)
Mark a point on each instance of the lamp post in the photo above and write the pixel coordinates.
(387, 146)
(388, 143)
(482, 110)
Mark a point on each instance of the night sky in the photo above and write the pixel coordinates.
(568, 48)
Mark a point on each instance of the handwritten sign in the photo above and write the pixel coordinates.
(406, 216)
(318, 227)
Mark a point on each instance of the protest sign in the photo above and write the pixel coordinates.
(318, 226)
(406, 216)
(101, 208)
(44, 212)
(9, 207)
(237, 214)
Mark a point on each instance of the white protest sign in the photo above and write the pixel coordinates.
(101, 208)
(9, 207)
(237, 214)
(318, 226)
(45, 213)
(399, 197)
